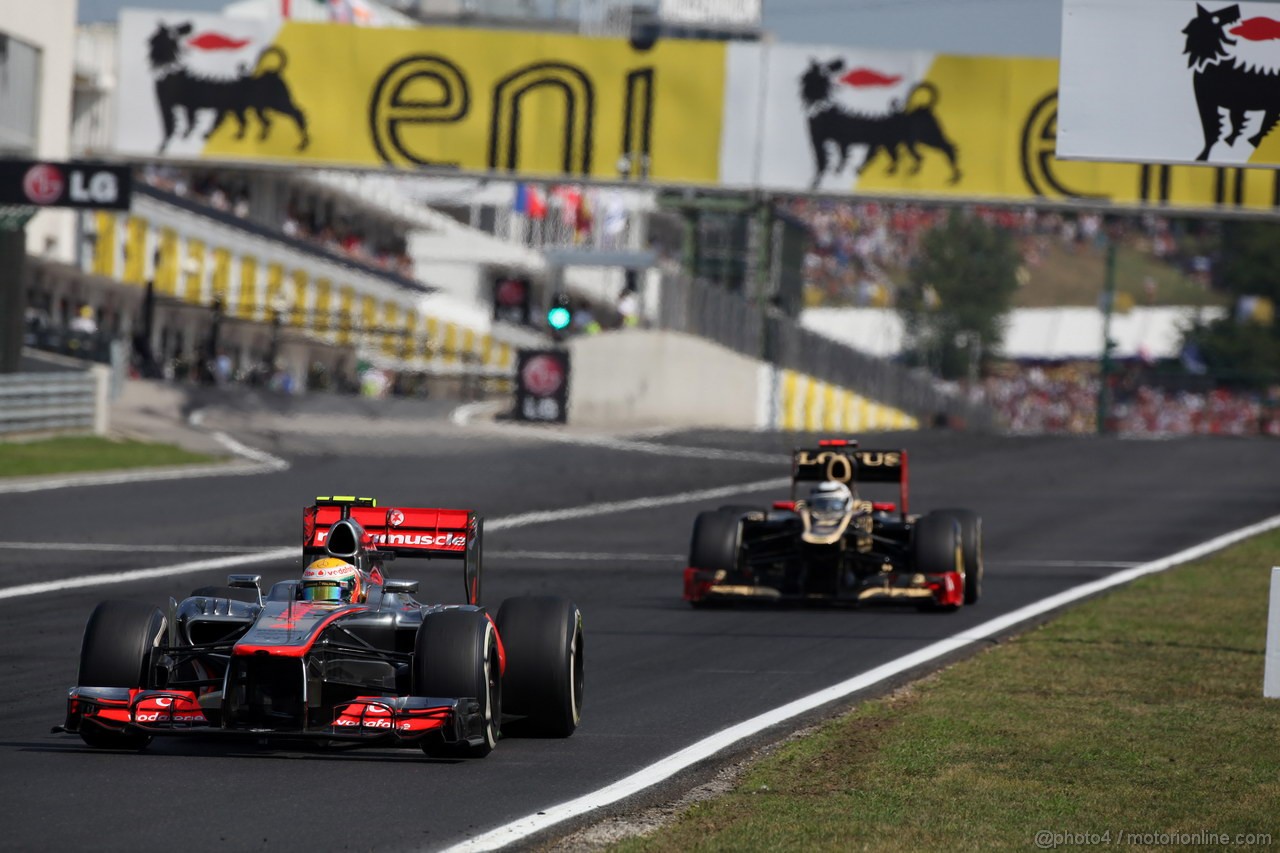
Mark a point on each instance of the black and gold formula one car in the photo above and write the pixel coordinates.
(828, 544)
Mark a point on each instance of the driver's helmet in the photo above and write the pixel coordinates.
(332, 580)
(829, 500)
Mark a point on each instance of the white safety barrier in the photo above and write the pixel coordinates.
(54, 402)
(1271, 671)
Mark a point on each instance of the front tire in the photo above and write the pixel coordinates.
(456, 655)
(936, 548)
(971, 548)
(117, 651)
(542, 638)
(717, 536)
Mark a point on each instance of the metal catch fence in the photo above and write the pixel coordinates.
(710, 311)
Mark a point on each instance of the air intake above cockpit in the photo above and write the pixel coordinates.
(344, 539)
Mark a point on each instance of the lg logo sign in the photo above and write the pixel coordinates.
(542, 392)
(78, 185)
(44, 184)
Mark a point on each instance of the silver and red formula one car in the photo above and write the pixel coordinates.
(829, 544)
(345, 654)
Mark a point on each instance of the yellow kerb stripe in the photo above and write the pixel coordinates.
(811, 402)
(830, 414)
(450, 343)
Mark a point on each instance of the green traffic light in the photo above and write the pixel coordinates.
(559, 317)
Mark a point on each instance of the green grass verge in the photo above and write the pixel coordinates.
(87, 453)
(1075, 276)
(1138, 712)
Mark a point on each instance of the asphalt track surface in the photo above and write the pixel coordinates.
(1058, 512)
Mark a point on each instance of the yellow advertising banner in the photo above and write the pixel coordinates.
(539, 104)
(779, 118)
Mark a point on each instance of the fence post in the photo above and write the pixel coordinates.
(101, 375)
(13, 294)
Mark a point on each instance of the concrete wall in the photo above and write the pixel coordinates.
(49, 26)
(644, 378)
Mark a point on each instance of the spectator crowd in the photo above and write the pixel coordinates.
(311, 219)
(1064, 399)
(855, 246)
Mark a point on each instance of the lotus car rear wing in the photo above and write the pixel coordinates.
(399, 531)
(843, 461)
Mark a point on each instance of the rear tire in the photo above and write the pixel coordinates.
(971, 548)
(542, 638)
(936, 548)
(117, 651)
(715, 542)
(455, 656)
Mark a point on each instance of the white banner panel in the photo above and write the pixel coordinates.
(1157, 81)
(829, 110)
(185, 75)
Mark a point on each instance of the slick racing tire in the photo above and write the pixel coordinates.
(716, 539)
(542, 638)
(117, 650)
(456, 655)
(738, 509)
(936, 547)
(971, 548)
(235, 593)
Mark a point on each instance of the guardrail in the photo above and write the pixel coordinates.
(709, 311)
(54, 402)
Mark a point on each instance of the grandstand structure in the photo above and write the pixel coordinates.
(305, 271)
(315, 277)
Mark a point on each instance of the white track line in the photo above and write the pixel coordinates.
(1065, 564)
(84, 581)
(266, 460)
(465, 414)
(610, 507)
(573, 555)
(137, 549)
(524, 520)
(259, 462)
(672, 450)
(99, 547)
(665, 768)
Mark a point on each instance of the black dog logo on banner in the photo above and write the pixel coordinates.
(178, 90)
(1223, 80)
(904, 125)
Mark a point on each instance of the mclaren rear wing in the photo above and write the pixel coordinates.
(843, 461)
(403, 531)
